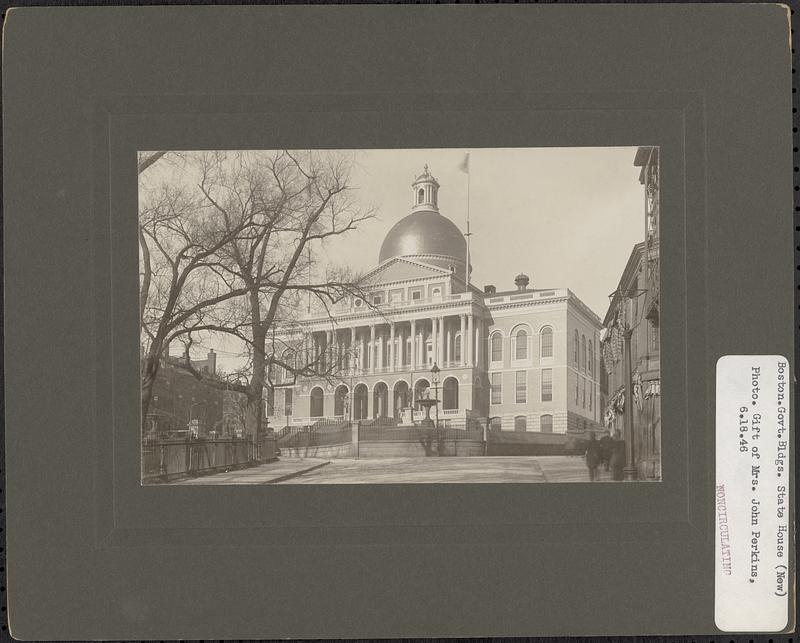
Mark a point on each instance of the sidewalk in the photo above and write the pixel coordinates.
(567, 468)
(269, 473)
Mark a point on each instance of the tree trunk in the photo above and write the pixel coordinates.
(149, 373)
(256, 397)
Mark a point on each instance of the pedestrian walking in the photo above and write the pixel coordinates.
(617, 459)
(592, 456)
(605, 451)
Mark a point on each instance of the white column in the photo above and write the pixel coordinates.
(433, 338)
(351, 361)
(372, 348)
(449, 344)
(441, 341)
(413, 353)
(463, 340)
(470, 337)
(392, 353)
(478, 342)
(328, 349)
(362, 353)
(401, 347)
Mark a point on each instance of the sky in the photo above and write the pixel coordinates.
(566, 217)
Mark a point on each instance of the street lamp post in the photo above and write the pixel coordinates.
(435, 379)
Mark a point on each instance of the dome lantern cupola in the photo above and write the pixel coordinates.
(426, 189)
(425, 234)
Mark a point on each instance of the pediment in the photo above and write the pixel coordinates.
(400, 269)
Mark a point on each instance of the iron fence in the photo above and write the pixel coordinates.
(166, 459)
(324, 433)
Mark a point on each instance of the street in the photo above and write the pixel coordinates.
(514, 469)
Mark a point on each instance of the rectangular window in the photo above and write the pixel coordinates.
(591, 393)
(416, 295)
(522, 387)
(583, 383)
(547, 385)
(497, 388)
(287, 401)
(653, 336)
(270, 401)
(577, 391)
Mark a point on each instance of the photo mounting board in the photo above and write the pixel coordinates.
(94, 555)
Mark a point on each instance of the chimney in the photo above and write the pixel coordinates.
(522, 280)
(212, 361)
(489, 289)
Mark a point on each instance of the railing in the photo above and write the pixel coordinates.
(308, 421)
(319, 435)
(165, 459)
(417, 433)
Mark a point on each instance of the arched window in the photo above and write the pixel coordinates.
(546, 342)
(575, 348)
(457, 349)
(401, 397)
(341, 402)
(420, 196)
(380, 400)
(583, 352)
(496, 424)
(360, 401)
(317, 402)
(497, 347)
(450, 394)
(591, 358)
(546, 424)
(520, 423)
(521, 349)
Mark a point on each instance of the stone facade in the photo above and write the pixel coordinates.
(505, 358)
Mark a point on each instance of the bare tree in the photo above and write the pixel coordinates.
(180, 239)
(294, 202)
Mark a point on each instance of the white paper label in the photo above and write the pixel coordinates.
(753, 538)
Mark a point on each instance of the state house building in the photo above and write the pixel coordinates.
(522, 359)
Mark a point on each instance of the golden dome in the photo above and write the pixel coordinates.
(424, 233)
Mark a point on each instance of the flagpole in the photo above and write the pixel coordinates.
(469, 234)
(464, 167)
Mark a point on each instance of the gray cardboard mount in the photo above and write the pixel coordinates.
(92, 554)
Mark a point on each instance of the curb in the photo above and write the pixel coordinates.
(294, 474)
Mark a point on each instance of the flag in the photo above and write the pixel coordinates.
(464, 165)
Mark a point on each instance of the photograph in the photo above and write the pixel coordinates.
(399, 316)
